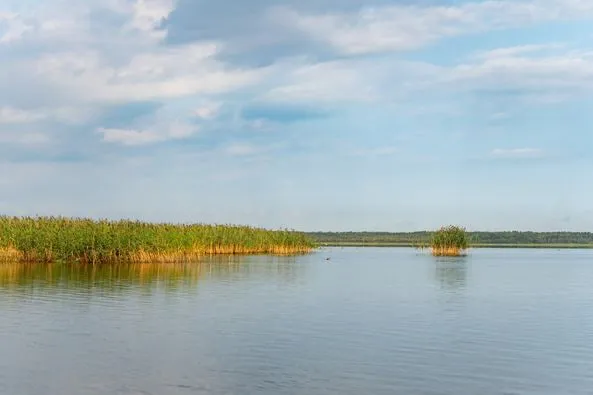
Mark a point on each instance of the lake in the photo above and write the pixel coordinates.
(367, 321)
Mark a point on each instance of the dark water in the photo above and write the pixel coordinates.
(369, 321)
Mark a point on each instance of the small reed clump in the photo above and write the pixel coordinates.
(449, 241)
(52, 239)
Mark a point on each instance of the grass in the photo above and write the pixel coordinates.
(449, 241)
(54, 239)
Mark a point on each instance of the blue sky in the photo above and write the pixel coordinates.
(313, 114)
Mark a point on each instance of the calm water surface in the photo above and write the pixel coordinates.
(369, 321)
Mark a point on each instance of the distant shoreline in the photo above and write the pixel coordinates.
(477, 239)
(477, 245)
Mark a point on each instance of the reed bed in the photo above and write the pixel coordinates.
(449, 241)
(53, 239)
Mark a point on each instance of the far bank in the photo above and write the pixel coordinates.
(410, 245)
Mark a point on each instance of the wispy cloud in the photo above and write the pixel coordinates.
(518, 50)
(158, 74)
(517, 153)
(66, 115)
(149, 14)
(376, 152)
(282, 112)
(543, 78)
(174, 131)
(17, 115)
(243, 149)
(12, 27)
(251, 149)
(402, 27)
(326, 82)
(208, 110)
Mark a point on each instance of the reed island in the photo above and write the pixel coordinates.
(60, 239)
(449, 241)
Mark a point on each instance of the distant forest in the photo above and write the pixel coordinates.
(476, 238)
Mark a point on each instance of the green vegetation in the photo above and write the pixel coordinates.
(51, 239)
(449, 241)
(510, 239)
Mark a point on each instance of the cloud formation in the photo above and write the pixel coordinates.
(406, 27)
(303, 85)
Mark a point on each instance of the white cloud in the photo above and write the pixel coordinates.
(68, 115)
(91, 62)
(534, 74)
(398, 28)
(517, 153)
(103, 52)
(208, 110)
(12, 27)
(333, 81)
(11, 115)
(516, 51)
(148, 14)
(133, 137)
(246, 149)
(376, 30)
(351, 80)
(137, 21)
(129, 136)
(559, 73)
(73, 115)
(158, 74)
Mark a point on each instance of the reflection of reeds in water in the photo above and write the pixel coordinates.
(75, 275)
(169, 275)
(451, 274)
(421, 245)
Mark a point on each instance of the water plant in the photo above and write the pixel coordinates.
(449, 241)
(52, 239)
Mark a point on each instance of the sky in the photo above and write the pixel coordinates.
(378, 115)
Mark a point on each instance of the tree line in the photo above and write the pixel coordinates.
(424, 237)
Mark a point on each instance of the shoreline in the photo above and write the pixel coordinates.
(477, 245)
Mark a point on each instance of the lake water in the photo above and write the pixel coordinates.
(368, 321)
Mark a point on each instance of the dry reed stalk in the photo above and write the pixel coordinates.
(10, 255)
(447, 251)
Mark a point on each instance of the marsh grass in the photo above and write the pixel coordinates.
(449, 241)
(53, 239)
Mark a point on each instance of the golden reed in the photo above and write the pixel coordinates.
(53, 239)
(447, 251)
(11, 255)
